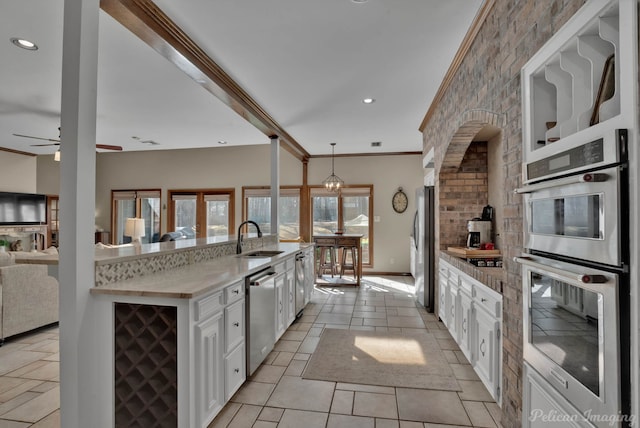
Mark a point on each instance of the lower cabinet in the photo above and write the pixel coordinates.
(209, 348)
(472, 313)
(281, 292)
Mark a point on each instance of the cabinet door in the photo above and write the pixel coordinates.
(309, 274)
(234, 368)
(280, 285)
(464, 334)
(453, 313)
(290, 297)
(234, 324)
(486, 350)
(208, 359)
(443, 292)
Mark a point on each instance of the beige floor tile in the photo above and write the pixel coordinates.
(225, 416)
(15, 360)
(296, 367)
(464, 372)
(13, 424)
(17, 401)
(294, 335)
(11, 387)
(309, 345)
(287, 345)
(356, 322)
(366, 388)
(495, 412)
(306, 319)
(256, 393)
(411, 424)
(271, 414)
(443, 407)
(473, 390)
(301, 356)
(375, 405)
(344, 421)
(441, 333)
(409, 312)
(50, 421)
(245, 417)
(413, 322)
(462, 359)
(283, 359)
(53, 357)
(37, 408)
(362, 327)
(44, 386)
(387, 423)
(449, 344)
(331, 318)
(48, 345)
(315, 332)
(303, 326)
(268, 374)
(450, 356)
(379, 315)
(299, 418)
(342, 309)
(478, 414)
(342, 402)
(302, 394)
(47, 370)
(264, 424)
(376, 322)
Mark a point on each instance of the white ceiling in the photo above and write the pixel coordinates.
(308, 64)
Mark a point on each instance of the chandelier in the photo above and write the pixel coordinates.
(333, 183)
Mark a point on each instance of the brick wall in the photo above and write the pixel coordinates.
(488, 80)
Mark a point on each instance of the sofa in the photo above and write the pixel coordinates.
(28, 297)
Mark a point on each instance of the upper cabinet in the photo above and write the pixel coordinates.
(580, 86)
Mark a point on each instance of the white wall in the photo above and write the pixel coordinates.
(18, 173)
(386, 173)
(224, 167)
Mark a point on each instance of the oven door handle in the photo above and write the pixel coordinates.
(575, 179)
(575, 277)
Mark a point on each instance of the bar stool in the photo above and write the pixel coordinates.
(348, 266)
(323, 265)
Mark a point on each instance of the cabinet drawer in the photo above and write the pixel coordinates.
(234, 324)
(234, 292)
(234, 368)
(208, 306)
(488, 299)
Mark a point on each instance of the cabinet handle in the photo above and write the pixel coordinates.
(483, 300)
(453, 311)
(237, 324)
(236, 291)
(464, 325)
(237, 370)
(482, 351)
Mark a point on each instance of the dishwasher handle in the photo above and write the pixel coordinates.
(260, 280)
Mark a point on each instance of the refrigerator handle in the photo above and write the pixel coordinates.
(415, 230)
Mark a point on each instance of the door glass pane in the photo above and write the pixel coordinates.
(325, 215)
(259, 210)
(577, 216)
(289, 217)
(217, 218)
(185, 217)
(124, 209)
(564, 326)
(355, 215)
(150, 212)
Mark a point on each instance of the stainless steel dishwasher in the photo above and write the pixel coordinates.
(261, 316)
(301, 260)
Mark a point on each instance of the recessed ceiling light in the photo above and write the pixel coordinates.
(368, 100)
(359, 1)
(24, 44)
(223, 142)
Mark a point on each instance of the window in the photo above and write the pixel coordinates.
(347, 212)
(257, 207)
(212, 208)
(143, 204)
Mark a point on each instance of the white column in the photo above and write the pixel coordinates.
(275, 184)
(79, 356)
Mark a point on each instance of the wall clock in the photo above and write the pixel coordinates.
(399, 201)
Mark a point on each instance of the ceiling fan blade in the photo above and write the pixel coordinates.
(37, 138)
(44, 145)
(108, 147)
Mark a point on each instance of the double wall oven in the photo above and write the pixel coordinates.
(575, 273)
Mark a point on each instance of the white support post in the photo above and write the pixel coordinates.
(275, 184)
(80, 361)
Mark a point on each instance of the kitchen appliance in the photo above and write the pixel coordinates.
(261, 316)
(301, 261)
(479, 232)
(575, 276)
(423, 247)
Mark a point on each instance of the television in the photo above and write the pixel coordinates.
(22, 208)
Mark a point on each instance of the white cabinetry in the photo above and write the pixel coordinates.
(309, 273)
(280, 285)
(473, 314)
(219, 332)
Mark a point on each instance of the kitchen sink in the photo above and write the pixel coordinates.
(262, 253)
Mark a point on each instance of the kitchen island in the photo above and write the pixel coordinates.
(171, 319)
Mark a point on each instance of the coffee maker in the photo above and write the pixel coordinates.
(479, 232)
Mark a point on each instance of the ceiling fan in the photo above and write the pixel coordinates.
(55, 142)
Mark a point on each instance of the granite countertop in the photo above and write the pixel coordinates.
(199, 278)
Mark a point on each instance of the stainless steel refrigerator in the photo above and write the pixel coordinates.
(423, 247)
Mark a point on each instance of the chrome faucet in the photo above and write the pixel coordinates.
(239, 244)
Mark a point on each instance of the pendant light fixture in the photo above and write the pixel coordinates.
(333, 183)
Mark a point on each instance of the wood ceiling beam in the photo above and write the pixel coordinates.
(147, 21)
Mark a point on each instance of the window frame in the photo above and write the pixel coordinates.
(201, 211)
(138, 195)
(256, 190)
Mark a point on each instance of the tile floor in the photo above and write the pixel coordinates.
(277, 396)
